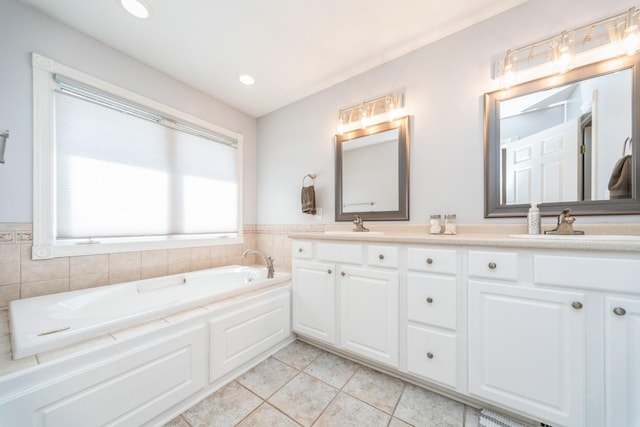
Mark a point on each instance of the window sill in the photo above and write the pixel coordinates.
(78, 248)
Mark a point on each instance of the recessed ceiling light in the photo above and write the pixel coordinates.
(136, 7)
(246, 79)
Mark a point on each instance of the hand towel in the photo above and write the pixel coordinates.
(308, 198)
(620, 182)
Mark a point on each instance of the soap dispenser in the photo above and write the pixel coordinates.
(533, 220)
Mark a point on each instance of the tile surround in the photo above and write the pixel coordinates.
(280, 392)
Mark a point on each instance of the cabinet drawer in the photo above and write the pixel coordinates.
(432, 260)
(432, 300)
(339, 252)
(432, 355)
(493, 265)
(609, 274)
(383, 256)
(301, 249)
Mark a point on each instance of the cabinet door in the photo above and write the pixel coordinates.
(622, 358)
(369, 313)
(314, 300)
(238, 337)
(527, 350)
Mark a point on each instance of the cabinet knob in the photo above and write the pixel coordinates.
(380, 256)
(430, 355)
(329, 271)
(620, 311)
(343, 274)
(492, 265)
(429, 261)
(300, 250)
(429, 300)
(577, 305)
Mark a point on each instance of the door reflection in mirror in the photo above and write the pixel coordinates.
(562, 144)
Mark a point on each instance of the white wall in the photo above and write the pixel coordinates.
(443, 85)
(23, 31)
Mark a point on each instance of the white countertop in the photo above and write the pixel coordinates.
(477, 239)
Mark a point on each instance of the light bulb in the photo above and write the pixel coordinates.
(564, 58)
(136, 7)
(508, 71)
(631, 40)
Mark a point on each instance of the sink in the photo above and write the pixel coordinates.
(350, 233)
(588, 237)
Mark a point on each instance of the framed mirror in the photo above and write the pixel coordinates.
(565, 141)
(372, 172)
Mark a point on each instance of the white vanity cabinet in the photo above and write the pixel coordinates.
(346, 295)
(526, 345)
(622, 361)
(432, 314)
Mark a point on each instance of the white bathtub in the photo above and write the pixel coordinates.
(51, 321)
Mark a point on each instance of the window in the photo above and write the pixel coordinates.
(121, 172)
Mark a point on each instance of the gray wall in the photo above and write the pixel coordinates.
(443, 85)
(23, 31)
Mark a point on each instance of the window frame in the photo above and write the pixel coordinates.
(45, 244)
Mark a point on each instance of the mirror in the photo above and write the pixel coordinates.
(372, 172)
(563, 141)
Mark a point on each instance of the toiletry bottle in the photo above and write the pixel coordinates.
(450, 224)
(434, 224)
(533, 220)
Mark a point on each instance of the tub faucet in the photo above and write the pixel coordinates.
(357, 220)
(267, 260)
(565, 224)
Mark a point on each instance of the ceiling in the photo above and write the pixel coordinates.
(293, 48)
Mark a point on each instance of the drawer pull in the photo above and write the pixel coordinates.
(380, 256)
(492, 265)
(429, 300)
(620, 311)
(429, 261)
(329, 271)
(577, 305)
(343, 274)
(430, 355)
(300, 250)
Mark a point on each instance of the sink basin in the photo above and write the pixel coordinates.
(588, 237)
(351, 233)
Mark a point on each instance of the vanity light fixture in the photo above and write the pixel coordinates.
(136, 7)
(246, 79)
(604, 39)
(631, 40)
(4, 135)
(369, 113)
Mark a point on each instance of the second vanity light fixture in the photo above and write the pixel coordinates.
(369, 113)
(607, 38)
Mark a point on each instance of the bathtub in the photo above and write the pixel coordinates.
(51, 321)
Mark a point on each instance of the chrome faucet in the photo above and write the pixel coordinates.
(565, 224)
(267, 260)
(357, 220)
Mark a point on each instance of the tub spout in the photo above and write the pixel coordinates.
(267, 260)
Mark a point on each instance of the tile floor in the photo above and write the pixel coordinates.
(303, 385)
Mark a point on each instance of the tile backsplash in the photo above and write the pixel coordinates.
(22, 277)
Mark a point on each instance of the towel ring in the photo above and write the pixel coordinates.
(309, 175)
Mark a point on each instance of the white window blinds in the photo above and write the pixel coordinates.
(122, 171)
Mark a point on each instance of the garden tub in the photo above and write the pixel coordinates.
(52, 321)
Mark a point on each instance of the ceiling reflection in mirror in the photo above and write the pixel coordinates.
(562, 144)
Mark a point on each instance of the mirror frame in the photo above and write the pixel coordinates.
(402, 214)
(492, 206)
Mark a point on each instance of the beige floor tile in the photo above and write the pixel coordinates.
(298, 354)
(332, 369)
(177, 422)
(471, 417)
(225, 407)
(421, 407)
(375, 388)
(303, 398)
(267, 416)
(348, 411)
(266, 378)
(398, 423)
